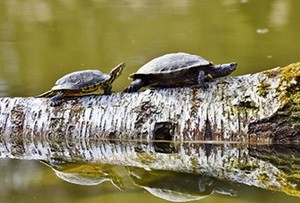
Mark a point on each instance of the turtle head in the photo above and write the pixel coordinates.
(223, 69)
(116, 71)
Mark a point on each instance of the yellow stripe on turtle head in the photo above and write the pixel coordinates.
(116, 71)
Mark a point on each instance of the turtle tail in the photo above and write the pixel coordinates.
(116, 72)
(49, 93)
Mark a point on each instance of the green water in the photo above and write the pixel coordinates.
(42, 40)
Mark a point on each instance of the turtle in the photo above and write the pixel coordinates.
(178, 70)
(81, 83)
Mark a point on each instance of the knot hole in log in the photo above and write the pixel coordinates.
(163, 135)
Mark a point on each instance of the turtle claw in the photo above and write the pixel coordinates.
(57, 99)
(55, 103)
(202, 86)
(201, 80)
(134, 86)
(129, 89)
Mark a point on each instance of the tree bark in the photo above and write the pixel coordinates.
(260, 108)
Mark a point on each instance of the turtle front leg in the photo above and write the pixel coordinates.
(134, 86)
(107, 89)
(201, 80)
(56, 100)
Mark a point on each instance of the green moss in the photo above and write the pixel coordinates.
(291, 185)
(291, 72)
(295, 98)
(195, 163)
(288, 89)
(244, 166)
(263, 89)
(146, 158)
(291, 77)
(263, 178)
(290, 81)
(287, 73)
(286, 159)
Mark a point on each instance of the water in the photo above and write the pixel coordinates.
(41, 41)
(60, 181)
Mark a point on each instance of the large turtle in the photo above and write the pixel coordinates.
(178, 70)
(82, 83)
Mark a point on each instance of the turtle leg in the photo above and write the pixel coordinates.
(134, 86)
(107, 89)
(201, 80)
(56, 100)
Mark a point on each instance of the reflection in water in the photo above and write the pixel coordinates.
(190, 171)
(286, 159)
(86, 173)
(178, 187)
(168, 185)
(280, 13)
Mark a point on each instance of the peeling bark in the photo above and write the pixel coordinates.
(249, 108)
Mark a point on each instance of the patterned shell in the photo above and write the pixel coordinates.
(173, 62)
(81, 79)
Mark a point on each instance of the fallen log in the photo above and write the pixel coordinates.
(257, 108)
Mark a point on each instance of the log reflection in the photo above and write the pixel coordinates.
(205, 167)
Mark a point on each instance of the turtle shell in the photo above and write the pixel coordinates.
(81, 79)
(171, 63)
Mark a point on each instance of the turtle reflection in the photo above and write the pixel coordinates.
(86, 173)
(178, 187)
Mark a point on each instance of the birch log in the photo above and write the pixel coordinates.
(249, 108)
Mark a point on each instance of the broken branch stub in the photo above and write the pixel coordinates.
(229, 110)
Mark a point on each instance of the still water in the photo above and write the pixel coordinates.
(42, 40)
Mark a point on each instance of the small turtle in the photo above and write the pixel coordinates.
(178, 70)
(82, 83)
